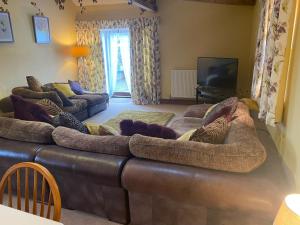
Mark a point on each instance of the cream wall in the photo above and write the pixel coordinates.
(25, 57)
(190, 29)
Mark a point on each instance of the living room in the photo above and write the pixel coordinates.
(126, 75)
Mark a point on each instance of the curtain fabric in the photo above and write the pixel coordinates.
(144, 62)
(270, 65)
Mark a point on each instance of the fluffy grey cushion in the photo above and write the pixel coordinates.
(113, 145)
(27, 131)
(241, 153)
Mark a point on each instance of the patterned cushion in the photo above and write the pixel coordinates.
(34, 84)
(64, 88)
(65, 119)
(66, 102)
(225, 108)
(214, 133)
(50, 107)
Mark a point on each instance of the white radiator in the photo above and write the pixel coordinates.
(184, 83)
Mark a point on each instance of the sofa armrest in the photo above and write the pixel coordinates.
(239, 157)
(29, 94)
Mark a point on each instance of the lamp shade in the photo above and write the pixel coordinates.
(80, 51)
(289, 212)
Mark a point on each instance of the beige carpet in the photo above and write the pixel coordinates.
(119, 105)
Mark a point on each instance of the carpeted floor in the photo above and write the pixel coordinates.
(119, 105)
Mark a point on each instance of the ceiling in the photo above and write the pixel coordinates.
(101, 2)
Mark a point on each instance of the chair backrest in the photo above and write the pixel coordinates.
(48, 187)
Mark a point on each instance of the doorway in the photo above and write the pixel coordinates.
(116, 51)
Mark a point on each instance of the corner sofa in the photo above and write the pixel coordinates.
(118, 179)
(84, 106)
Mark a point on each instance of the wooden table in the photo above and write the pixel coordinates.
(10, 216)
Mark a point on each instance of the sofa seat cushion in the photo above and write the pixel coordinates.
(101, 169)
(197, 111)
(91, 99)
(29, 131)
(113, 145)
(12, 152)
(78, 106)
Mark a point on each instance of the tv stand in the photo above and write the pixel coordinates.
(213, 94)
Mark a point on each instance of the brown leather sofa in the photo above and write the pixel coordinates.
(89, 182)
(172, 194)
(127, 189)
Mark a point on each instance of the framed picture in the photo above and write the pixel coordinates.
(41, 29)
(6, 33)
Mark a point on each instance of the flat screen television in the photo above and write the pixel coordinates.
(218, 73)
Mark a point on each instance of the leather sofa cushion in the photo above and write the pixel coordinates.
(91, 99)
(12, 152)
(101, 169)
(78, 106)
(112, 145)
(29, 131)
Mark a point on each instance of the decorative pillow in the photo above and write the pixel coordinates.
(214, 133)
(27, 131)
(112, 145)
(76, 88)
(65, 101)
(64, 88)
(26, 110)
(34, 84)
(66, 119)
(50, 107)
(101, 130)
(129, 128)
(197, 111)
(225, 108)
(252, 104)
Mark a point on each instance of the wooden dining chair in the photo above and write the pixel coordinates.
(48, 185)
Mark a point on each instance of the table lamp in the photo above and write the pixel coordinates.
(289, 212)
(80, 51)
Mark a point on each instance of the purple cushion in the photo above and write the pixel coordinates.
(26, 110)
(76, 88)
(129, 128)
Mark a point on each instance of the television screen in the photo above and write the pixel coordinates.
(217, 72)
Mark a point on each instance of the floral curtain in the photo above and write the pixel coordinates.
(269, 70)
(145, 61)
(145, 56)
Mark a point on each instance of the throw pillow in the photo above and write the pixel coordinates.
(101, 130)
(34, 84)
(129, 128)
(50, 107)
(66, 119)
(65, 101)
(64, 88)
(214, 133)
(26, 110)
(76, 88)
(225, 108)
